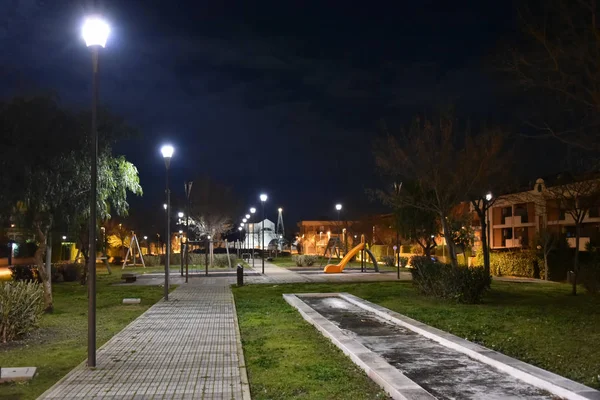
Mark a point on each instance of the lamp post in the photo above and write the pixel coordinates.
(248, 220)
(95, 32)
(180, 215)
(167, 153)
(263, 198)
(252, 211)
(488, 198)
(338, 207)
(188, 192)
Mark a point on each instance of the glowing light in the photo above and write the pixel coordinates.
(180, 214)
(95, 31)
(247, 216)
(165, 206)
(64, 238)
(280, 209)
(252, 210)
(145, 237)
(338, 207)
(167, 151)
(239, 228)
(263, 197)
(180, 231)
(244, 220)
(488, 196)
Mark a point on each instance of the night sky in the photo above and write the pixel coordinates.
(282, 97)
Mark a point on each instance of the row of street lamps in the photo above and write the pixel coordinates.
(263, 198)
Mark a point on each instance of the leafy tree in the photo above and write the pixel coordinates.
(44, 167)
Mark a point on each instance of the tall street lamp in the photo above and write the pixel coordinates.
(252, 211)
(167, 153)
(488, 198)
(95, 32)
(248, 220)
(263, 198)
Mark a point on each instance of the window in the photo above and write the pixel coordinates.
(506, 212)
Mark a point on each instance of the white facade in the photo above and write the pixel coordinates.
(254, 237)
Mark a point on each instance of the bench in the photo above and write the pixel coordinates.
(129, 278)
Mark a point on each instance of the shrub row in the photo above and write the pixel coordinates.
(390, 261)
(21, 307)
(523, 263)
(460, 284)
(305, 260)
(64, 272)
(220, 260)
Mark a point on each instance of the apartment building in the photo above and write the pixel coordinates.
(516, 219)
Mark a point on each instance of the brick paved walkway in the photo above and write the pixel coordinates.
(186, 348)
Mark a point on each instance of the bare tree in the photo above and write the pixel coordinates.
(575, 197)
(440, 165)
(558, 65)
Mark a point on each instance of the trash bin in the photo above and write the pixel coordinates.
(570, 276)
(240, 275)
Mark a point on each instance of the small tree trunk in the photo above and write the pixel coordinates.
(484, 246)
(43, 273)
(449, 241)
(576, 261)
(546, 265)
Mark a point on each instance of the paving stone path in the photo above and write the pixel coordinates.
(186, 348)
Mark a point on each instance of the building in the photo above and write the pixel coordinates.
(516, 219)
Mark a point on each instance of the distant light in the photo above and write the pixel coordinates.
(165, 206)
(244, 220)
(95, 31)
(247, 216)
(180, 214)
(145, 237)
(280, 209)
(280, 236)
(208, 237)
(180, 231)
(239, 228)
(338, 207)
(167, 151)
(242, 224)
(12, 225)
(432, 236)
(252, 210)
(64, 238)
(263, 197)
(488, 196)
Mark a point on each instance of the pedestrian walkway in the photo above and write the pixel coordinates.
(186, 348)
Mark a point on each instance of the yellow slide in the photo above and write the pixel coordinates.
(337, 268)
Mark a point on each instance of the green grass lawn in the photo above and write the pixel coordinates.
(537, 323)
(61, 342)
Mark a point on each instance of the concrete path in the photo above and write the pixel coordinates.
(186, 348)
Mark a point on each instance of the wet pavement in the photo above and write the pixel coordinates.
(443, 372)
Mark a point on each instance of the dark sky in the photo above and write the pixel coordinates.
(282, 97)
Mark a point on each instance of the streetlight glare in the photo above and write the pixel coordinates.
(145, 237)
(64, 238)
(247, 216)
(180, 214)
(167, 151)
(338, 207)
(263, 197)
(180, 231)
(95, 31)
(280, 209)
(239, 228)
(244, 220)
(165, 206)
(488, 196)
(252, 210)
(241, 224)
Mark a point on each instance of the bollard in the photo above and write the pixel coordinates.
(240, 275)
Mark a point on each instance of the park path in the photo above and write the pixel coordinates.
(186, 348)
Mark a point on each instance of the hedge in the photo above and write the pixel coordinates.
(514, 263)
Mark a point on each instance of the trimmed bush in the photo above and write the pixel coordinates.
(304, 260)
(21, 307)
(221, 260)
(403, 261)
(460, 284)
(25, 273)
(388, 260)
(151, 261)
(71, 272)
(514, 263)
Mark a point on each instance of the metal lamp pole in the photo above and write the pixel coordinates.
(95, 32)
(188, 192)
(263, 198)
(252, 211)
(167, 152)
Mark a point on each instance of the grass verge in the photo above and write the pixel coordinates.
(61, 342)
(537, 323)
